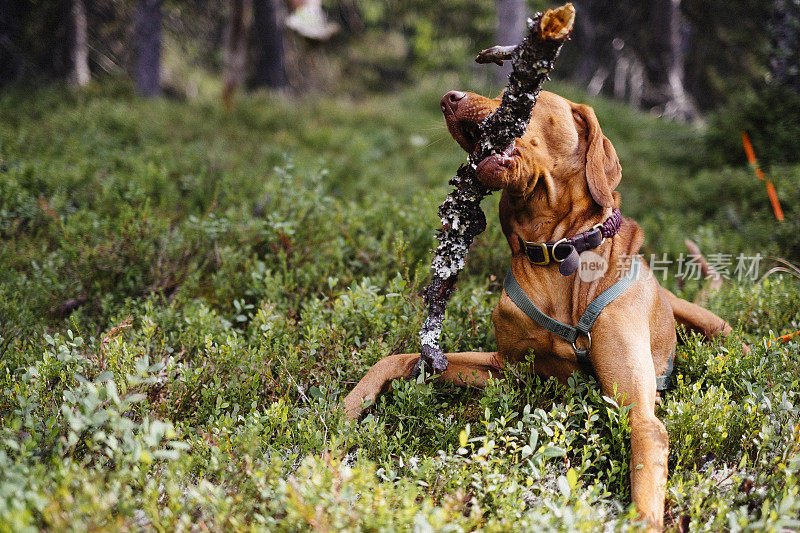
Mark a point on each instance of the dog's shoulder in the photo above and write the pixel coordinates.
(631, 238)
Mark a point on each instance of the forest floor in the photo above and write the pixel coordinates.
(187, 294)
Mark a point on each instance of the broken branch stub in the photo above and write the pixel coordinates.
(462, 218)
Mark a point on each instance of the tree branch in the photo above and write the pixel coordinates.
(461, 214)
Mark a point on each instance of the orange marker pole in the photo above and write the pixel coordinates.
(773, 195)
(773, 198)
(785, 338)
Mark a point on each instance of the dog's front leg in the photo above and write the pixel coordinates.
(649, 450)
(627, 363)
(468, 369)
(377, 380)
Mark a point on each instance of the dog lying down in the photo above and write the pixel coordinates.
(558, 200)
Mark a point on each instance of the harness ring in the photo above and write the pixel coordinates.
(582, 351)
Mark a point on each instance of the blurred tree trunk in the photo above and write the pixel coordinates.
(599, 24)
(680, 105)
(637, 82)
(148, 47)
(350, 17)
(784, 57)
(584, 37)
(80, 74)
(510, 30)
(235, 57)
(667, 57)
(11, 64)
(270, 64)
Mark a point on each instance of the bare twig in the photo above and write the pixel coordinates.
(495, 54)
(304, 397)
(112, 334)
(708, 270)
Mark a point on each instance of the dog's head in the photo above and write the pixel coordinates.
(563, 142)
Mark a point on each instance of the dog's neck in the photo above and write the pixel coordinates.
(545, 216)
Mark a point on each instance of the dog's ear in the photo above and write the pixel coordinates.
(603, 171)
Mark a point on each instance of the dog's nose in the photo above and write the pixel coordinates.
(450, 101)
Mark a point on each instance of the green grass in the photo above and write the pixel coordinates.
(239, 272)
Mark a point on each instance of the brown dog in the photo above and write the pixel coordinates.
(558, 181)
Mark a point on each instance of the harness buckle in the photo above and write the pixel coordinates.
(582, 352)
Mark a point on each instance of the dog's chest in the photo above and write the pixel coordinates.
(517, 334)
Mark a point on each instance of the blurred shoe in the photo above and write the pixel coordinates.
(310, 22)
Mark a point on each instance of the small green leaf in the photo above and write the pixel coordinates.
(554, 451)
(104, 376)
(572, 478)
(563, 486)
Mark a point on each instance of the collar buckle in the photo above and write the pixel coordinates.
(545, 252)
(528, 248)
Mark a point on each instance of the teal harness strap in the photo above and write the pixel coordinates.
(609, 295)
(585, 324)
(663, 382)
(518, 296)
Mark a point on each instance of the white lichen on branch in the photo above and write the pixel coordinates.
(461, 214)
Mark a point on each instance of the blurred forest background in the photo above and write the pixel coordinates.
(734, 61)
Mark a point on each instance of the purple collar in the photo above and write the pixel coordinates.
(565, 251)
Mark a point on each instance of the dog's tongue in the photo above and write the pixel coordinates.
(570, 264)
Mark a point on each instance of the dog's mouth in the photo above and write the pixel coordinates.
(470, 133)
(466, 132)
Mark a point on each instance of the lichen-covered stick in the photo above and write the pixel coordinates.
(461, 214)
